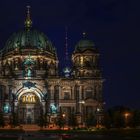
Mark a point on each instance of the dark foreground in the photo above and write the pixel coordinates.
(131, 134)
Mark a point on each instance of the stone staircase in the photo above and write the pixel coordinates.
(30, 127)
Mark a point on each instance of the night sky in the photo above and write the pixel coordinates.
(114, 26)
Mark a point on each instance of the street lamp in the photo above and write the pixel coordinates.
(63, 119)
(98, 119)
(126, 117)
(98, 109)
(63, 115)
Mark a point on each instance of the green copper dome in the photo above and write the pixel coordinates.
(84, 45)
(29, 39)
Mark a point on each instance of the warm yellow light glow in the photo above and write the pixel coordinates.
(81, 60)
(28, 98)
(63, 115)
(33, 98)
(126, 114)
(23, 99)
(82, 102)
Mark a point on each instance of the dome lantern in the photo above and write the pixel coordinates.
(28, 21)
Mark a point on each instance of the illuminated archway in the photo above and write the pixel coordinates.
(29, 104)
(24, 90)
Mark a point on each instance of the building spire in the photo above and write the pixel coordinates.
(66, 69)
(28, 21)
(66, 44)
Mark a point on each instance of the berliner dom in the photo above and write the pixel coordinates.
(31, 86)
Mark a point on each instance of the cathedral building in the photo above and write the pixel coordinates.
(31, 86)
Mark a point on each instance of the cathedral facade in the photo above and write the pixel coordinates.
(30, 84)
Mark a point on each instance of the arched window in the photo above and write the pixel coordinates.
(88, 93)
(66, 94)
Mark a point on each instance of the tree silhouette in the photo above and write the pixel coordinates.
(90, 120)
(136, 118)
(60, 121)
(72, 120)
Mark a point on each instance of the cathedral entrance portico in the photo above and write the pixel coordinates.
(29, 104)
(29, 108)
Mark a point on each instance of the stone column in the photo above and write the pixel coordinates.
(72, 93)
(100, 92)
(77, 90)
(43, 107)
(52, 92)
(1, 98)
(10, 96)
(15, 107)
(60, 90)
(80, 99)
(48, 100)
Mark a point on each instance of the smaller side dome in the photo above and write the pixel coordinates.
(84, 45)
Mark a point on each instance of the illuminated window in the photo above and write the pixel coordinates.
(88, 93)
